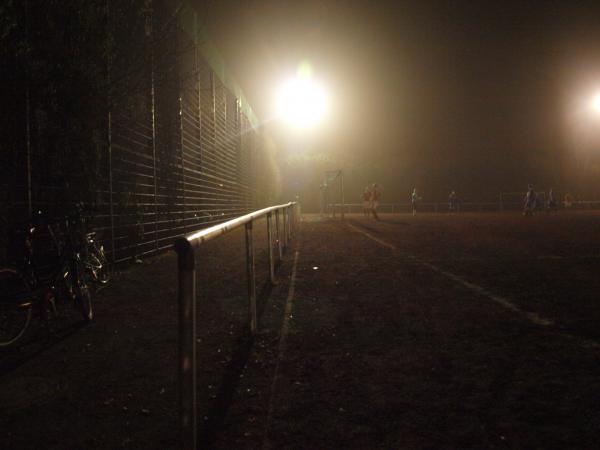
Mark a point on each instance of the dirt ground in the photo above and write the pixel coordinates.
(435, 331)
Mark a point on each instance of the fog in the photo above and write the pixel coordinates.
(480, 98)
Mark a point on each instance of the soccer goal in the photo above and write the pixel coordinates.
(515, 200)
(332, 193)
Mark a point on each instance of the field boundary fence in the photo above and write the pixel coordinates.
(282, 223)
(443, 207)
(144, 125)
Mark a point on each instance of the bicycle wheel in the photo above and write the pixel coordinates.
(15, 307)
(98, 263)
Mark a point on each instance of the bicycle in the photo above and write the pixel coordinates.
(95, 261)
(23, 290)
(94, 257)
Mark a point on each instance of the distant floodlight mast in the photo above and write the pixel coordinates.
(302, 102)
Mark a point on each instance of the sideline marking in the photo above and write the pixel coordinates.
(532, 317)
(287, 315)
(509, 260)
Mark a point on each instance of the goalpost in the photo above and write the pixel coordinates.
(332, 193)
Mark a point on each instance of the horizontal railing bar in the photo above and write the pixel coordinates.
(197, 238)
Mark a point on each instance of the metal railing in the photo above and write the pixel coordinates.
(286, 221)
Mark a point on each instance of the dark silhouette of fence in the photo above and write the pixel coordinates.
(127, 107)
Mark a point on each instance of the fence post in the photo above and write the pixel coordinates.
(153, 124)
(110, 188)
(186, 297)
(270, 238)
(251, 279)
(181, 128)
(109, 139)
(28, 115)
(201, 149)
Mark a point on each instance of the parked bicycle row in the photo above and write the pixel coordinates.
(54, 264)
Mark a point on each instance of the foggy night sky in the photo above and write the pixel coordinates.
(474, 96)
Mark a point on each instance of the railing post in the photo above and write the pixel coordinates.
(186, 299)
(251, 278)
(278, 230)
(342, 189)
(270, 238)
(284, 218)
(289, 225)
(295, 211)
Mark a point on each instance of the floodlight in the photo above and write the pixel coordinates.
(596, 103)
(302, 102)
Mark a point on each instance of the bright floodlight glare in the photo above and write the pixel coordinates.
(596, 102)
(302, 102)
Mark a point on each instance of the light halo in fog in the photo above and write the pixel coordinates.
(596, 103)
(302, 102)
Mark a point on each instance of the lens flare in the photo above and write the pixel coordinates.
(302, 102)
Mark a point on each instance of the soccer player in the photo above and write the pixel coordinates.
(366, 197)
(552, 206)
(452, 202)
(530, 201)
(375, 196)
(414, 199)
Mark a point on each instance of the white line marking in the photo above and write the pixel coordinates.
(509, 260)
(532, 317)
(287, 315)
(370, 236)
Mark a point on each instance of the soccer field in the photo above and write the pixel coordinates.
(546, 265)
(449, 331)
(426, 332)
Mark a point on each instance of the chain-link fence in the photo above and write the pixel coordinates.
(126, 107)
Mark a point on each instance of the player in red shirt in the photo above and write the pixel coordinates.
(366, 197)
(375, 196)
